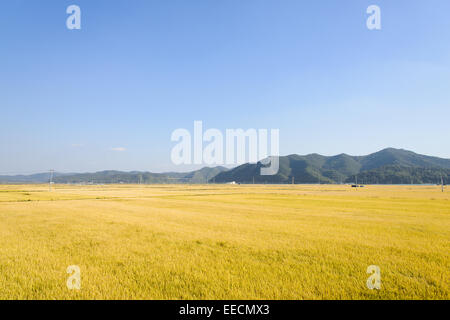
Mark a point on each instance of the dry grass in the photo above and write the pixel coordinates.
(224, 242)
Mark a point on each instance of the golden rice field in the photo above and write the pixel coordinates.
(224, 241)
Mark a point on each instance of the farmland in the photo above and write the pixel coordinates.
(224, 241)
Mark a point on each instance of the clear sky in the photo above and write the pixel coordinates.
(109, 96)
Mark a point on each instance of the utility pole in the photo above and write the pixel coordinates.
(50, 181)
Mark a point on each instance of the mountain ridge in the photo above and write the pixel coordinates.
(387, 166)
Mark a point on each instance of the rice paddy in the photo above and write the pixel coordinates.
(224, 241)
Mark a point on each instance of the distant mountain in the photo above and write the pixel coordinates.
(202, 175)
(32, 178)
(401, 157)
(198, 176)
(111, 176)
(396, 166)
(388, 166)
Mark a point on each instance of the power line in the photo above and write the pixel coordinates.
(50, 182)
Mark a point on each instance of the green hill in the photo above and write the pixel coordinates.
(388, 166)
(198, 176)
(111, 176)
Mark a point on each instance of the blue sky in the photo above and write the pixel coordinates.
(137, 70)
